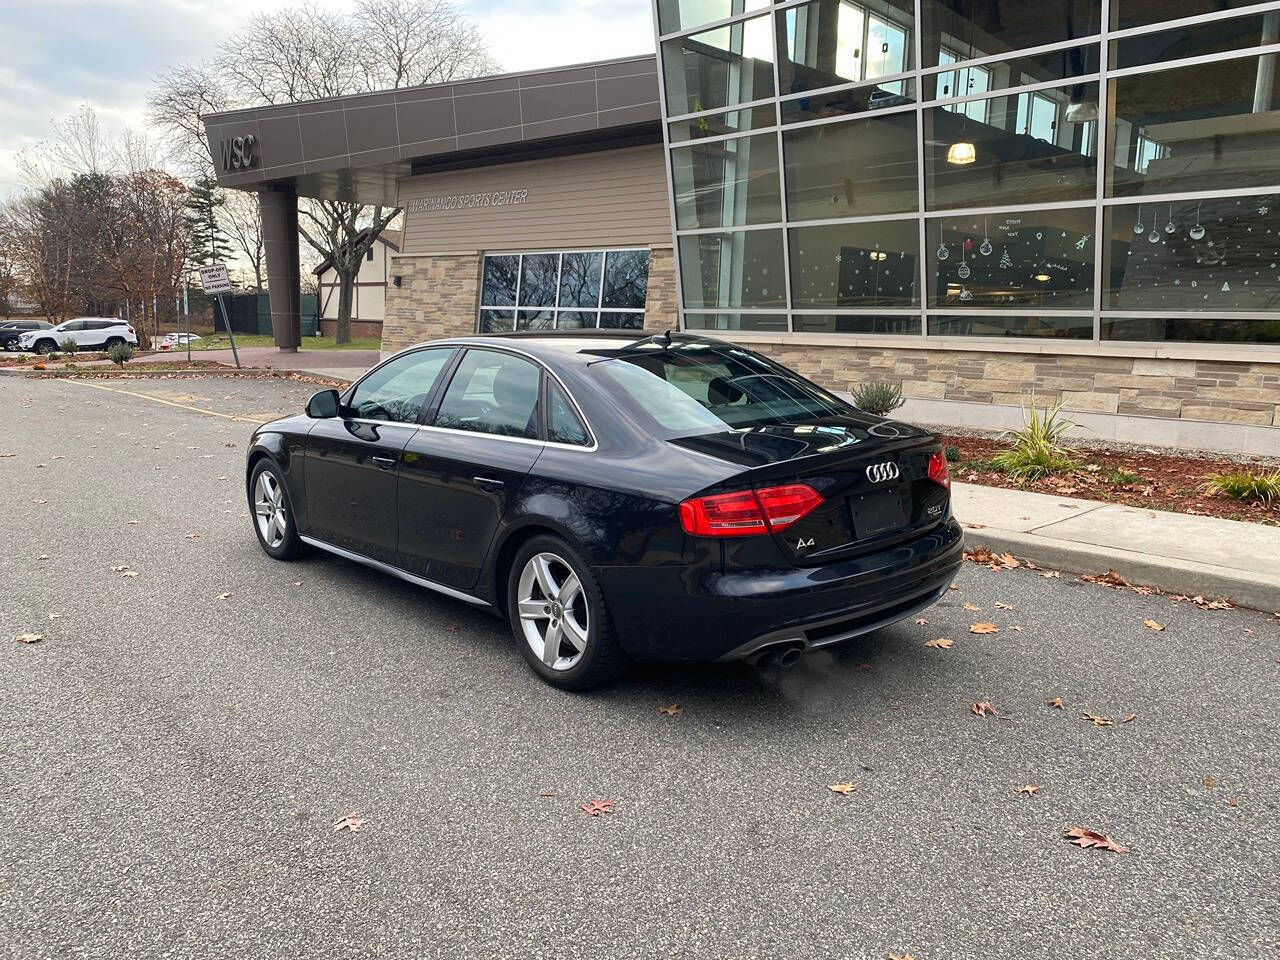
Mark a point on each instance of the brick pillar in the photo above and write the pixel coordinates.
(279, 206)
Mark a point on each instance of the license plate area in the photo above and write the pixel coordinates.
(877, 512)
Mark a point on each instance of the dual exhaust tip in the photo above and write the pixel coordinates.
(784, 654)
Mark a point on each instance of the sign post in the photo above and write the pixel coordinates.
(215, 279)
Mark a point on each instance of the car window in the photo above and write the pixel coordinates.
(398, 388)
(492, 392)
(72, 326)
(696, 388)
(563, 425)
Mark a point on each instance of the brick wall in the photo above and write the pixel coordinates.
(359, 328)
(1214, 390)
(661, 305)
(438, 297)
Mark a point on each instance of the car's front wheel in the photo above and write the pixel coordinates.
(46, 347)
(560, 618)
(272, 513)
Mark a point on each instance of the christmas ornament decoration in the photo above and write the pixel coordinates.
(943, 252)
(1005, 262)
(1139, 227)
(965, 295)
(1196, 232)
(1169, 227)
(986, 247)
(963, 270)
(1154, 235)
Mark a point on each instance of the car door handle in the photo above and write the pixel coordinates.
(385, 463)
(489, 484)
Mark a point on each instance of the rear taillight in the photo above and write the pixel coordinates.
(748, 512)
(130, 329)
(938, 470)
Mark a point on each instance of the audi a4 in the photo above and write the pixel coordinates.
(616, 498)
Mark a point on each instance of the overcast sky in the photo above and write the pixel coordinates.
(58, 54)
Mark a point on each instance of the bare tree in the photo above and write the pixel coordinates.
(180, 99)
(306, 53)
(242, 219)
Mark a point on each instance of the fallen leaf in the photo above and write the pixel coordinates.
(1108, 579)
(1083, 837)
(1030, 789)
(976, 526)
(1001, 605)
(954, 587)
(30, 637)
(942, 643)
(844, 789)
(129, 573)
(1129, 718)
(1008, 560)
(44, 556)
(1231, 801)
(1096, 720)
(349, 822)
(970, 607)
(223, 596)
(982, 708)
(131, 521)
(297, 583)
(547, 793)
(1056, 703)
(901, 956)
(596, 807)
(39, 501)
(674, 710)
(1209, 783)
(193, 536)
(1052, 574)
(984, 628)
(865, 667)
(1153, 625)
(1016, 629)
(55, 616)
(921, 621)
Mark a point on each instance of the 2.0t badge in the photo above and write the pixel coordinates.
(880, 472)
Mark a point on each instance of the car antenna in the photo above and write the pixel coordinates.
(663, 339)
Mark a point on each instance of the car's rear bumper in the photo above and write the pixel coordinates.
(678, 613)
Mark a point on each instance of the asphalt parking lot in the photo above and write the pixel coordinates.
(175, 751)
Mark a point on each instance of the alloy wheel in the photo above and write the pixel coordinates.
(554, 615)
(268, 508)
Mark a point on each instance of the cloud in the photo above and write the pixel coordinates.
(106, 52)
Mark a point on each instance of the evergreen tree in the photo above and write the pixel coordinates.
(209, 242)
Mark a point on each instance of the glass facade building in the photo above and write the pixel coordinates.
(1075, 169)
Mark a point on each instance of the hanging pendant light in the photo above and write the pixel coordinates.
(962, 152)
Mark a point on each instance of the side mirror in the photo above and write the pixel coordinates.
(323, 405)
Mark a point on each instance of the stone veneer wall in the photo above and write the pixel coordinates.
(1214, 390)
(439, 296)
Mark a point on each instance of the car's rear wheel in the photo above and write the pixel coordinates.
(111, 342)
(559, 616)
(272, 513)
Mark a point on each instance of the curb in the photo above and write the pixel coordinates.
(1170, 574)
(142, 374)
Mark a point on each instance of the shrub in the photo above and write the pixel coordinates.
(1243, 484)
(952, 453)
(1037, 450)
(119, 353)
(880, 399)
(68, 345)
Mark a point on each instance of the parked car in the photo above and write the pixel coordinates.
(171, 340)
(89, 333)
(666, 498)
(12, 331)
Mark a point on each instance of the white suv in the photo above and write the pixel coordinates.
(97, 333)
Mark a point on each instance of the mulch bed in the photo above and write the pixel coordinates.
(1139, 478)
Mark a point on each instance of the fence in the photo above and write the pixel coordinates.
(251, 313)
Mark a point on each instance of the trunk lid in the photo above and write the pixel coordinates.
(873, 476)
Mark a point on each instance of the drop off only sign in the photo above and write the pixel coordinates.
(215, 279)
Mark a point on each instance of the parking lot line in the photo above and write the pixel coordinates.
(172, 403)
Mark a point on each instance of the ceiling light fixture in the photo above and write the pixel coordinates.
(962, 152)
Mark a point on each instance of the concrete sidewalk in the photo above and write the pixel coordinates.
(1176, 552)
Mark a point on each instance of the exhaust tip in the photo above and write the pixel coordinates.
(790, 655)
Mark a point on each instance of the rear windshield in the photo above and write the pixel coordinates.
(694, 388)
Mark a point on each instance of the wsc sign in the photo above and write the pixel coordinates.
(239, 153)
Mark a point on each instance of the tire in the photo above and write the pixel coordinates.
(112, 342)
(45, 347)
(601, 658)
(276, 543)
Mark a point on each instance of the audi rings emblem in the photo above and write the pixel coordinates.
(880, 472)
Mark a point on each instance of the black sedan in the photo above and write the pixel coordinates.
(666, 498)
